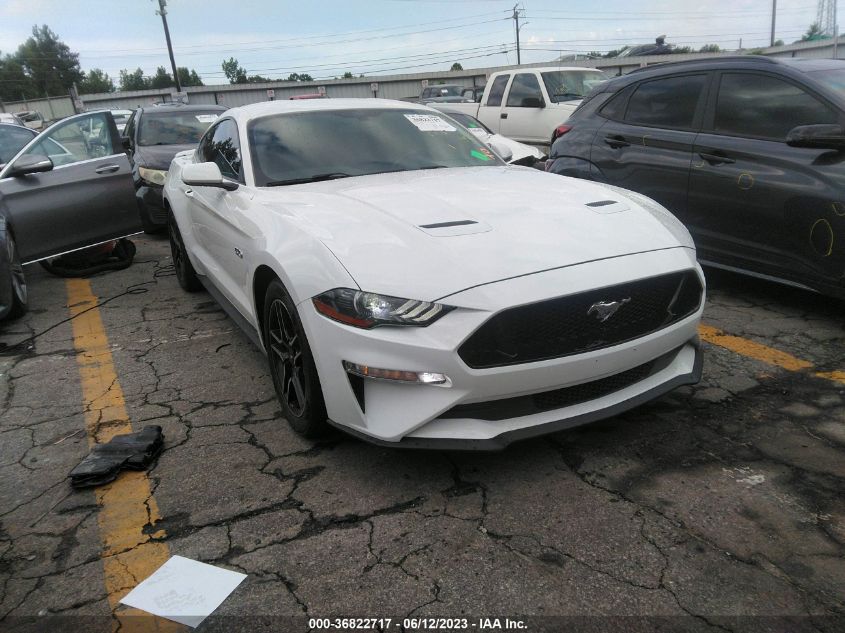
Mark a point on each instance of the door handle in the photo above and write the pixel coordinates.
(616, 141)
(107, 169)
(716, 159)
(503, 115)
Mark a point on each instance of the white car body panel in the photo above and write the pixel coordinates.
(533, 239)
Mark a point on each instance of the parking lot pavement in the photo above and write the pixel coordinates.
(715, 502)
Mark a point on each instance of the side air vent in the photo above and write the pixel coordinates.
(601, 203)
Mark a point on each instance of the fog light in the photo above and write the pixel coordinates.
(396, 375)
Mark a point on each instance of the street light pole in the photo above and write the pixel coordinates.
(163, 13)
(774, 14)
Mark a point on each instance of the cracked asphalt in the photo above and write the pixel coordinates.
(717, 507)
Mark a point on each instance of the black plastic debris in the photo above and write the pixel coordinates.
(133, 451)
(114, 255)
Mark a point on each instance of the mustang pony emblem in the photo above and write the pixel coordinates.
(606, 309)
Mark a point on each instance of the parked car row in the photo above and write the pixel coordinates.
(532, 302)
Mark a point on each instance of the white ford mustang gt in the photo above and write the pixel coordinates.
(412, 289)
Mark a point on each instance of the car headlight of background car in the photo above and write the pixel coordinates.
(152, 176)
(368, 309)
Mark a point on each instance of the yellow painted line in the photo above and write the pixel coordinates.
(127, 504)
(763, 353)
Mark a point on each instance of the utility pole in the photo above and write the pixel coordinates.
(835, 30)
(162, 11)
(774, 14)
(516, 19)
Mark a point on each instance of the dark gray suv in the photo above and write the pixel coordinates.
(749, 152)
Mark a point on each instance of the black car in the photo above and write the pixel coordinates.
(153, 136)
(749, 152)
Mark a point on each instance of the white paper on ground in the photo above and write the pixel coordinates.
(184, 590)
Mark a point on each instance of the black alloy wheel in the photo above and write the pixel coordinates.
(292, 365)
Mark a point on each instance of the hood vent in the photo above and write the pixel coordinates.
(443, 225)
(607, 206)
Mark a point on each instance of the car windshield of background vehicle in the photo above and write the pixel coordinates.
(833, 79)
(570, 85)
(174, 128)
(308, 146)
(469, 122)
(446, 91)
(12, 140)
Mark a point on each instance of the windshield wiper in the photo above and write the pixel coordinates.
(433, 167)
(314, 178)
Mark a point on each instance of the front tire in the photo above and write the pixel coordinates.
(17, 280)
(292, 365)
(185, 273)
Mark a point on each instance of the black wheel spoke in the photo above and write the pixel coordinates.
(286, 358)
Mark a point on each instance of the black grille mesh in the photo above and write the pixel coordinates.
(558, 398)
(564, 326)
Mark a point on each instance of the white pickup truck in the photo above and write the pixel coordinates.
(527, 104)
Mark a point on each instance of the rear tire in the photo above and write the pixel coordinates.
(292, 365)
(17, 280)
(185, 273)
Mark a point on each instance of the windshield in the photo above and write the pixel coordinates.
(569, 85)
(325, 144)
(832, 79)
(446, 91)
(469, 122)
(12, 140)
(174, 128)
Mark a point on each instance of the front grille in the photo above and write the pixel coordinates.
(571, 325)
(559, 398)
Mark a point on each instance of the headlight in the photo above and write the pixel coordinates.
(152, 176)
(367, 309)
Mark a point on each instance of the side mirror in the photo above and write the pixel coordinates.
(533, 102)
(501, 149)
(30, 164)
(206, 175)
(825, 136)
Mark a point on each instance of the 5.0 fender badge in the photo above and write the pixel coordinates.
(603, 310)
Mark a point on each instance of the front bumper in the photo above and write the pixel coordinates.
(151, 204)
(422, 415)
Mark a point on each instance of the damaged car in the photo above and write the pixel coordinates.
(412, 289)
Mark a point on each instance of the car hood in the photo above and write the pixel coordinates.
(159, 156)
(429, 234)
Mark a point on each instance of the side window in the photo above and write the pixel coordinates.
(204, 146)
(130, 125)
(765, 107)
(225, 149)
(615, 108)
(497, 90)
(667, 103)
(525, 92)
(84, 138)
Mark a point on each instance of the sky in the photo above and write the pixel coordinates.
(325, 38)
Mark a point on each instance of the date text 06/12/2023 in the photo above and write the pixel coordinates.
(417, 624)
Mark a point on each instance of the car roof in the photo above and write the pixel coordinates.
(18, 127)
(735, 61)
(265, 108)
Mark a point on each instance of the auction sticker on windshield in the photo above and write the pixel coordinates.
(206, 118)
(429, 123)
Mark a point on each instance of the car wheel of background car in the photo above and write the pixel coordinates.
(292, 365)
(17, 280)
(185, 273)
(148, 226)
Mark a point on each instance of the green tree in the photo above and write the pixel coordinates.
(162, 79)
(134, 80)
(347, 75)
(615, 52)
(188, 78)
(15, 84)
(456, 66)
(814, 32)
(48, 63)
(94, 81)
(709, 48)
(234, 72)
(778, 43)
